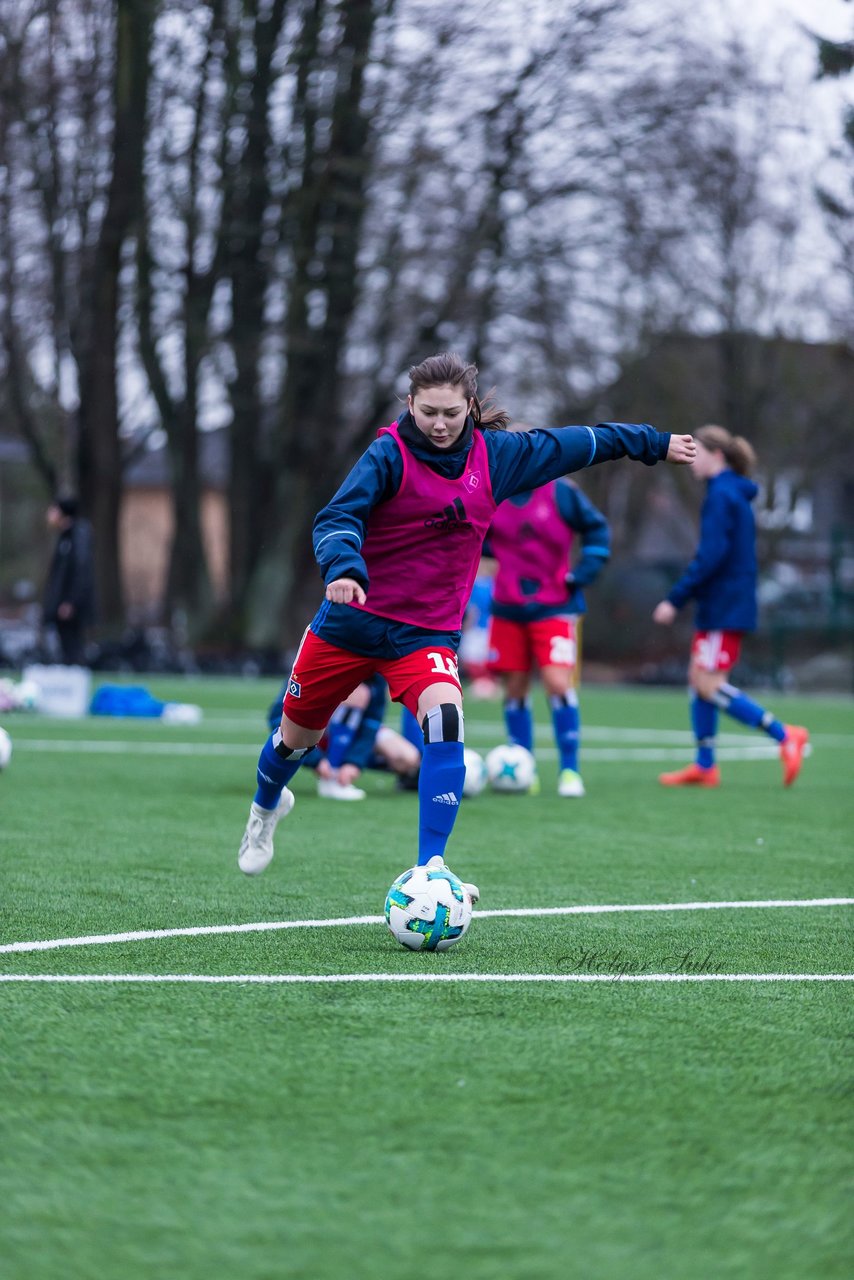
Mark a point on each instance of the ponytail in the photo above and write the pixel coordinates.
(738, 452)
(488, 416)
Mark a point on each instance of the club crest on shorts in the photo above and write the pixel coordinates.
(294, 688)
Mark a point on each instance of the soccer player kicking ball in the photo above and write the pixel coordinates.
(722, 579)
(398, 547)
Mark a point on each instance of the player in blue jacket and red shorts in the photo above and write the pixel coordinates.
(536, 601)
(398, 547)
(722, 580)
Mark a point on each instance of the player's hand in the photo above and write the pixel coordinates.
(345, 591)
(681, 450)
(664, 613)
(348, 773)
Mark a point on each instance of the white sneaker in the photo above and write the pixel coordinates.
(437, 864)
(569, 783)
(256, 847)
(331, 789)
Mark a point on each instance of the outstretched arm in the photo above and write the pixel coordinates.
(525, 460)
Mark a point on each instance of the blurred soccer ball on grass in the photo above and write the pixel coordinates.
(476, 775)
(511, 769)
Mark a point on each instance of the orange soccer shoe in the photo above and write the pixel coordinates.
(692, 776)
(792, 750)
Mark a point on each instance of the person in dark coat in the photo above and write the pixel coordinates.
(722, 580)
(69, 599)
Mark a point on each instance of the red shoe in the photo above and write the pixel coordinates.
(692, 776)
(792, 750)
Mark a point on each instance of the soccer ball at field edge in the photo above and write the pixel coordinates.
(510, 768)
(476, 775)
(427, 909)
(5, 749)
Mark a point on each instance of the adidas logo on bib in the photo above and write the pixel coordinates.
(452, 517)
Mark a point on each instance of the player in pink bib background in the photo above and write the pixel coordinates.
(398, 547)
(537, 599)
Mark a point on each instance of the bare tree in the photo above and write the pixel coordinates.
(75, 82)
(176, 270)
(322, 213)
(99, 446)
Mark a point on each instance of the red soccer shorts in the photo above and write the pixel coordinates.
(324, 675)
(716, 650)
(517, 646)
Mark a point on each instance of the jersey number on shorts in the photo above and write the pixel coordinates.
(562, 651)
(444, 665)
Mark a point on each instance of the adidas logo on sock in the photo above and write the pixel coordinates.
(452, 517)
(447, 797)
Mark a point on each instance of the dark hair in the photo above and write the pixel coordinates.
(449, 370)
(68, 506)
(739, 453)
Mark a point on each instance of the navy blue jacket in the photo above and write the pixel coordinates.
(518, 462)
(722, 575)
(579, 513)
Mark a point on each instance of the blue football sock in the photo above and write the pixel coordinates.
(704, 721)
(567, 725)
(440, 786)
(735, 704)
(411, 729)
(340, 734)
(519, 722)
(275, 770)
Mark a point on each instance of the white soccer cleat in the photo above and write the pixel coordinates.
(438, 864)
(256, 847)
(332, 789)
(569, 783)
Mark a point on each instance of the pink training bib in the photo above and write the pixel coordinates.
(532, 544)
(423, 546)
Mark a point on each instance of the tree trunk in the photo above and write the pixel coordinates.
(248, 263)
(99, 453)
(324, 229)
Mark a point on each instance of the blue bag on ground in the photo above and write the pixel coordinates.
(125, 700)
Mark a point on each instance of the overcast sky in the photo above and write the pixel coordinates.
(831, 18)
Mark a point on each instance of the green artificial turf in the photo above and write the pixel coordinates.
(368, 1129)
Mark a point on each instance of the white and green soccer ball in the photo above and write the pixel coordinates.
(510, 768)
(5, 749)
(476, 776)
(428, 909)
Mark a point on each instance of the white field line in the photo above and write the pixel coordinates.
(266, 926)
(746, 751)
(269, 979)
(137, 747)
(485, 730)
